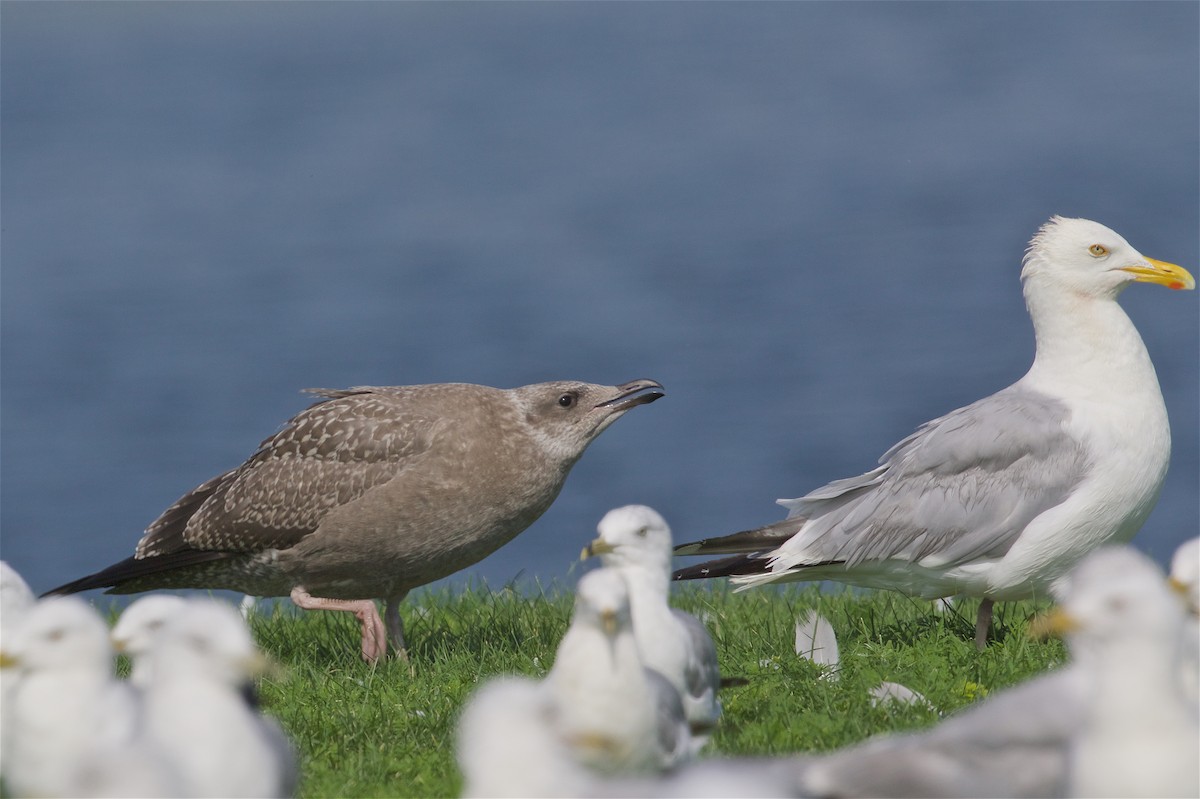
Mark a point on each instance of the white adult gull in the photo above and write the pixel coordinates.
(636, 541)
(998, 499)
(615, 714)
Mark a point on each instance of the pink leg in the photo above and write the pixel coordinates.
(374, 634)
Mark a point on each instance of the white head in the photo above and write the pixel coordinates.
(60, 633)
(564, 417)
(1087, 259)
(602, 602)
(136, 629)
(633, 535)
(206, 640)
(1117, 597)
(1185, 573)
(15, 597)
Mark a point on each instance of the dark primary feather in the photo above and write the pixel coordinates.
(134, 568)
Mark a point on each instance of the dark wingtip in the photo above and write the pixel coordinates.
(133, 568)
(754, 563)
(770, 536)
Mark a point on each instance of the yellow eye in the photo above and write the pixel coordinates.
(1098, 250)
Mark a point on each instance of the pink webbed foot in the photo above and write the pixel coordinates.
(374, 633)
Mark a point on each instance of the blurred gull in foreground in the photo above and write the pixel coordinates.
(615, 714)
(15, 601)
(196, 711)
(1140, 734)
(509, 746)
(635, 541)
(67, 719)
(998, 499)
(1113, 722)
(1185, 580)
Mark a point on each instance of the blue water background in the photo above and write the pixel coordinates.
(805, 219)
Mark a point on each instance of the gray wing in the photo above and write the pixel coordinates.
(674, 738)
(702, 677)
(324, 457)
(961, 487)
(1012, 744)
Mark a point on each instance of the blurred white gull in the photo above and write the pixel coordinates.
(635, 541)
(1184, 579)
(1185, 573)
(998, 499)
(1112, 722)
(138, 627)
(15, 596)
(615, 714)
(196, 711)
(15, 601)
(66, 708)
(1140, 734)
(508, 746)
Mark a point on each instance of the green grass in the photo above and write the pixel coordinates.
(389, 730)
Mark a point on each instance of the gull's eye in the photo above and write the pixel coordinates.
(642, 532)
(1098, 250)
(566, 400)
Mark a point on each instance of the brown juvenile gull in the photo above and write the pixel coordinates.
(1001, 498)
(374, 491)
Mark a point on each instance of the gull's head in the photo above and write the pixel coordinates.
(1185, 573)
(140, 623)
(602, 602)
(633, 535)
(15, 597)
(1116, 598)
(564, 417)
(1088, 259)
(207, 640)
(60, 633)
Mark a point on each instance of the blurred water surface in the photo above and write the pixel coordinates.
(806, 220)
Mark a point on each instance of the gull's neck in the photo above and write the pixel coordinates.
(1087, 348)
(647, 580)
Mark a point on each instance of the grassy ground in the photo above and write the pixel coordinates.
(389, 730)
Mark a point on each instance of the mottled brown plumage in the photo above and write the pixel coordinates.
(374, 491)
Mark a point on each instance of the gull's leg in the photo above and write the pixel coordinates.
(374, 634)
(983, 623)
(395, 625)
